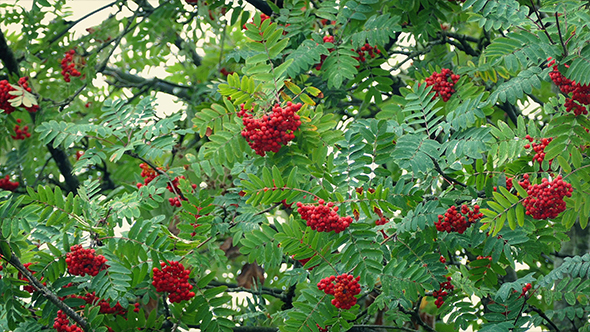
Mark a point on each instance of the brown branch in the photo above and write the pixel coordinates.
(7, 56)
(128, 80)
(45, 292)
(446, 177)
(560, 35)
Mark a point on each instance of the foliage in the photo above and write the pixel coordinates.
(144, 184)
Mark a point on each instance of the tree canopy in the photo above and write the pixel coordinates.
(352, 165)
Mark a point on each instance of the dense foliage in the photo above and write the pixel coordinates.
(369, 164)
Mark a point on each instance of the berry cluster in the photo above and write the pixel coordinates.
(28, 288)
(173, 278)
(327, 39)
(62, 323)
(580, 99)
(148, 173)
(82, 261)
(344, 287)
(442, 259)
(6, 184)
(442, 292)
(545, 200)
(270, 132)
(443, 84)
(364, 50)
(5, 96)
(20, 133)
(173, 188)
(539, 148)
(323, 218)
(525, 289)
(68, 66)
(105, 307)
(453, 221)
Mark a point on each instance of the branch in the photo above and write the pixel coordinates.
(463, 44)
(45, 292)
(275, 292)
(552, 325)
(71, 24)
(7, 56)
(133, 81)
(446, 177)
(510, 111)
(58, 154)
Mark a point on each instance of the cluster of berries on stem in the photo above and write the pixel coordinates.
(62, 323)
(545, 200)
(68, 66)
(580, 99)
(344, 287)
(5, 96)
(272, 131)
(6, 184)
(443, 83)
(82, 261)
(364, 51)
(539, 148)
(525, 289)
(327, 39)
(20, 134)
(105, 307)
(455, 221)
(149, 174)
(442, 292)
(173, 279)
(323, 217)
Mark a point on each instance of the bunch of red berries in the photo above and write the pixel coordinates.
(62, 323)
(580, 99)
(525, 289)
(270, 132)
(6, 184)
(545, 200)
(29, 288)
(442, 292)
(20, 133)
(105, 307)
(321, 329)
(82, 261)
(443, 84)
(344, 287)
(68, 66)
(5, 96)
(323, 218)
(173, 188)
(539, 148)
(442, 259)
(453, 221)
(148, 173)
(327, 39)
(364, 50)
(173, 279)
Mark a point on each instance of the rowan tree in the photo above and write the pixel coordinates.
(361, 165)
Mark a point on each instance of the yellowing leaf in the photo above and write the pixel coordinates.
(293, 87)
(314, 91)
(306, 99)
